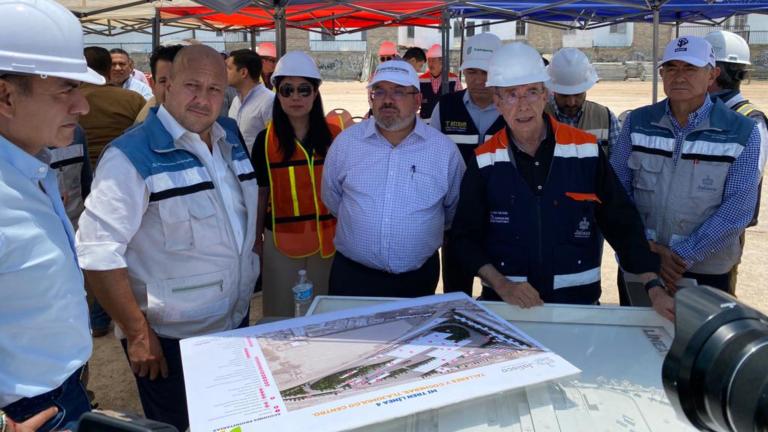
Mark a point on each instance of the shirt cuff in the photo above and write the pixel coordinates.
(684, 253)
(101, 256)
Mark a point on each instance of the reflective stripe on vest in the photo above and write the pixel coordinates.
(301, 224)
(464, 139)
(573, 272)
(746, 109)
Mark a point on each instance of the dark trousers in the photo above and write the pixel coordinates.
(455, 277)
(723, 282)
(70, 398)
(349, 278)
(165, 399)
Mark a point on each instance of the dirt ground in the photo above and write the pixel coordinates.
(111, 378)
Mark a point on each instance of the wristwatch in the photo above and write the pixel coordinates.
(655, 282)
(3, 422)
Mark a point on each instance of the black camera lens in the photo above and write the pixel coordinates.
(716, 371)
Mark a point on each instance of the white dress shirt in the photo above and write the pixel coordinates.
(252, 114)
(139, 87)
(111, 217)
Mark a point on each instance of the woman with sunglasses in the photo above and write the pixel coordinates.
(288, 158)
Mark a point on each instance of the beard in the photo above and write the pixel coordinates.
(393, 122)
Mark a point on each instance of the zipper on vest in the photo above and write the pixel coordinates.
(538, 229)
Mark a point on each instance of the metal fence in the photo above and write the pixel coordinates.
(753, 37)
(339, 45)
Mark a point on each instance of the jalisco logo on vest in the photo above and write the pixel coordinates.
(583, 232)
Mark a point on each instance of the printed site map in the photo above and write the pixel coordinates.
(359, 366)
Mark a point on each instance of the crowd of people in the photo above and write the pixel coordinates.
(170, 201)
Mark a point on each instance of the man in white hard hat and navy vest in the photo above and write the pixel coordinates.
(45, 339)
(536, 197)
(572, 75)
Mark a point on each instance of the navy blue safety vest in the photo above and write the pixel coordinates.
(428, 97)
(550, 240)
(456, 123)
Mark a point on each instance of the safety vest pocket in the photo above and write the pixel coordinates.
(646, 170)
(205, 225)
(708, 184)
(177, 226)
(189, 299)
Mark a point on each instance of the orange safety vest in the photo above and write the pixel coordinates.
(301, 224)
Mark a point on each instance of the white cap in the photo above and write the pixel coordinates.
(516, 64)
(298, 64)
(42, 37)
(690, 49)
(571, 72)
(478, 51)
(397, 72)
(729, 47)
(435, 51)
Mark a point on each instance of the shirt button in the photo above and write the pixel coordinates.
(41, 170)
(539, 187)
(536, 163)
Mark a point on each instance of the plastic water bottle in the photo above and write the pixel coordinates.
(302, 294)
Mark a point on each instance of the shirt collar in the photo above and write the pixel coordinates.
(420, 129)
(565, 118)
(468, 102)
(33, 167)
(255, 89)
(177, 131)
(695, 117)
(729, 97)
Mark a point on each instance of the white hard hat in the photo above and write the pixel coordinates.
(478, 51)
(571, 72)
(435, 51)
(516, 64)
(729, 47)
(298, 64)
(267, 49)
(42, 37)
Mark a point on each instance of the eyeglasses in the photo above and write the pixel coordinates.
(385, 58)
(396, 94)
(510, 97)
(304, 90)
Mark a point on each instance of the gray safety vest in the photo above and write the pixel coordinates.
(675, 198)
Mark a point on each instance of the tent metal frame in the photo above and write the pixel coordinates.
(549, 15)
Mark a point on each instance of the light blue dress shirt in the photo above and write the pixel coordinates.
(392, 202)
(44, 332)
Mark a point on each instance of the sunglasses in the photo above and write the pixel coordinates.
(304, 90)
(385, 58)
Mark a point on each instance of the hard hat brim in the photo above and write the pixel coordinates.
(571, 90)
(476, 64)
(90, 76)
(518, 81)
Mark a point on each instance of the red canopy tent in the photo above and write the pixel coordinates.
(333, 19)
